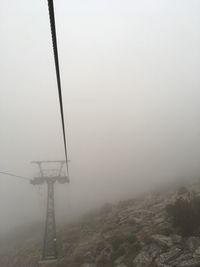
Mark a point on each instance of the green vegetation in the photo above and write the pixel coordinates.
(185, 215)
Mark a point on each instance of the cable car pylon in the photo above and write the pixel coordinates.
(50, 246)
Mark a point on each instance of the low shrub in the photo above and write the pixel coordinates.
(185, 215)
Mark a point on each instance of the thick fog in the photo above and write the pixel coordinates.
(130, 81)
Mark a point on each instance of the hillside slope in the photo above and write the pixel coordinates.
(133, 233)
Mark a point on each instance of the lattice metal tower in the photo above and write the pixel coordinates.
(50, 249)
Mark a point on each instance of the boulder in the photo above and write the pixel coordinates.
(197, 252)
(88, 265)
(143, 259)
(169, 256)
(177, 240)
(163, 241)
(192, 243)
(190, 263)
(120, 265)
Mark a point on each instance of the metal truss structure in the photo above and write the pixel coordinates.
(50, 248)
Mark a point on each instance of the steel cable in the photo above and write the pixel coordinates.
(55, 50)
(14, 175)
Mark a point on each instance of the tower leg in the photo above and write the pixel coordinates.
(50, 242)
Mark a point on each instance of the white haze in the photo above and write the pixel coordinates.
(130, 80)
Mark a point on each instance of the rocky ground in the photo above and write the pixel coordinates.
(133, 233)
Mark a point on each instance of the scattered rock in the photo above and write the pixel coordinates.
(134, 233)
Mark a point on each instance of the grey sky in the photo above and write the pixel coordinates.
(130, 77)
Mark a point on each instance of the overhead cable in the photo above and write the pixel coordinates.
(55, 50)
(14, 175)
